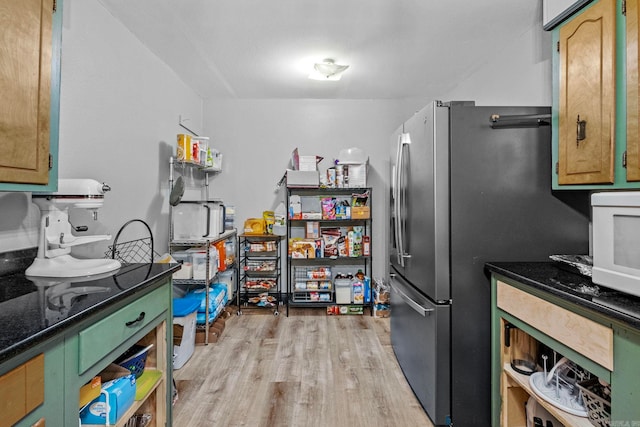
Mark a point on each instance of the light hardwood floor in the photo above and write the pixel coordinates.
(308, 369)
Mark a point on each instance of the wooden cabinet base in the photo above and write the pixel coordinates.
(21, 391)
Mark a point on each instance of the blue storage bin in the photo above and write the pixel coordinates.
(200, 317)
(184, 306)
(217, 293)
(184, 314)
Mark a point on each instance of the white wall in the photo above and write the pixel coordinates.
(257, 136)
(118, 123)
(119, 113)
(516, 73)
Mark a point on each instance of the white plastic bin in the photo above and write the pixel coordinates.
(184, 314)
(343, 291)
(199, 260)
(186, 272)
(227, 277)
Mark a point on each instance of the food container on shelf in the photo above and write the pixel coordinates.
(183, 149)
(343, 291)
(199, 261)
(186, 272)
(193, 220)
(354, 163)
(227, 278)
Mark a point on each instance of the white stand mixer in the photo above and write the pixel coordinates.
(55, 240)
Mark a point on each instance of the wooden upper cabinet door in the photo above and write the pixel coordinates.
(633, 145)
(587, 96)
(25, 85)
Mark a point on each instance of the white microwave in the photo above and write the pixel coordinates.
(616, 240)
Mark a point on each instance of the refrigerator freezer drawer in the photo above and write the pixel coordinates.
(420, 340)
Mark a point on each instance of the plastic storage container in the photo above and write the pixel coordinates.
(199, 260)
(184, 323)
(343, 291)
(186, 272)
(227, 278)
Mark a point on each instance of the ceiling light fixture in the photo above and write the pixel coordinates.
(327, 70)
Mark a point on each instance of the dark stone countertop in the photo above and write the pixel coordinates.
(32, 311)
(573, 287)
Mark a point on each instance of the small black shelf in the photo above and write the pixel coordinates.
(259, 265)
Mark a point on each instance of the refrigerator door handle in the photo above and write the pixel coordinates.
(396, 205)
(417, 307)
(400, 199)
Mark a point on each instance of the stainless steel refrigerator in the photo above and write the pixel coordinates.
(467, 187)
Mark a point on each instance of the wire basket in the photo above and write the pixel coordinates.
(133, 251)
(139, 420)
(597, 399)
(134, 359)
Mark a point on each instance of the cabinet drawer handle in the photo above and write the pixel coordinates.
(139, 319)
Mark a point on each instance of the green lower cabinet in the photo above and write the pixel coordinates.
(81, 352)
(625, 378)
(510, 393)
(54, 399)
(100, 341)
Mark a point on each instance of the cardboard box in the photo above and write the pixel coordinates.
(295, 207)
(120, 393)
(308, 163)
(214, 335)
(313, 230)
(90, 390)
(113, 372)
(302, 249)
(381, 296)
(304, 179)
(381, 310)
(360, 212)
(311, 215)
(336, 310)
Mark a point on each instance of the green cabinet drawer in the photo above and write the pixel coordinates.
(105, 335)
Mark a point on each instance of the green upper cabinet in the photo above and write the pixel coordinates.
(30, 39)
(633, 107)
(591, 145)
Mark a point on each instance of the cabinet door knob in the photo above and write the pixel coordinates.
(139, 319)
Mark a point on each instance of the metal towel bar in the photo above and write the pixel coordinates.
(520, 121)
